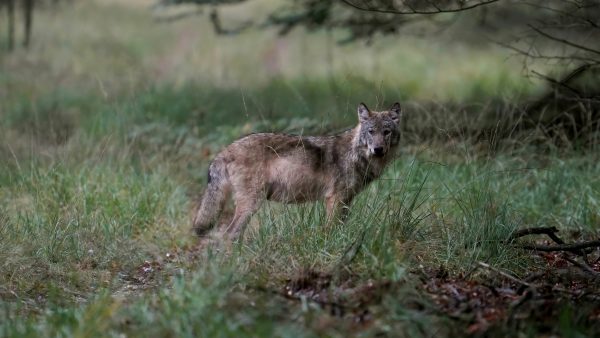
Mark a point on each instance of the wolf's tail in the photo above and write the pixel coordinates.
(213, 200)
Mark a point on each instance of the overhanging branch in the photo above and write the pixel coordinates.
(564, 41)
(412, 10)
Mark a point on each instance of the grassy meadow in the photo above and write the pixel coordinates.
(108, 123)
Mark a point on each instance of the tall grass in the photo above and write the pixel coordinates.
(78, 226)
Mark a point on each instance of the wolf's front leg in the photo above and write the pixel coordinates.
(337, 209)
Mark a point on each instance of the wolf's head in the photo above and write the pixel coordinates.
(379, 132)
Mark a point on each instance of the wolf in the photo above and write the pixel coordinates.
(297, 169)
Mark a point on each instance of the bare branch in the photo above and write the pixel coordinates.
(538, 55)
(557, 83)
(567, 14)
(578, 71)
(412, 10)
(566, 42)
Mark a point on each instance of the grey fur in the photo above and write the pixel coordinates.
(297, 169)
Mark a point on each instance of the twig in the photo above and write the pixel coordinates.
(529, 279)
(538, 55)
(578, 71)
(566, 42)
(504, 274)
(557, 83)
(583, 266)
(567, 14)
(574, 74)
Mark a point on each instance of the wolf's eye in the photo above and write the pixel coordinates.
(371, 131)
(386, 132)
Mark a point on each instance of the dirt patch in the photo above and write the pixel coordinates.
(482, 303)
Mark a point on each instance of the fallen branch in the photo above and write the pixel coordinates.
(583, 266)
(550, 231)
(576, 248)
(504, 274)
(573, 247)
(533, 287)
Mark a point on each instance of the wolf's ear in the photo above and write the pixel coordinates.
(396, 112)
(363, 112)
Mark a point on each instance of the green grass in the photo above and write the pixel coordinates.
(106, 133)
(78, 227)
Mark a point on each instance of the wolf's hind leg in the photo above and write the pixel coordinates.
(245, 207)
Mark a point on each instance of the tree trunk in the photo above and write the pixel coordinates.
(10, 11)
(28, 14)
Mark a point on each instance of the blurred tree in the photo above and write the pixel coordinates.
(28, 20)
(10, 6)
(10, 13)
(563, 36)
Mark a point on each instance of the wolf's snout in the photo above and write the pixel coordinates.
(378, 151)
